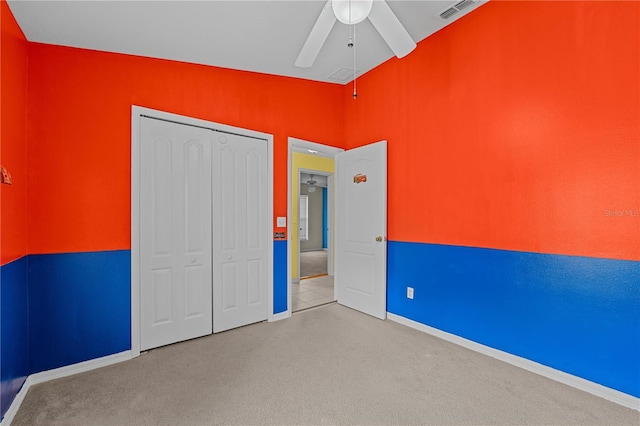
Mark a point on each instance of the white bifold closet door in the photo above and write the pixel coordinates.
(175, 233)
(241, 231)
(204, 232)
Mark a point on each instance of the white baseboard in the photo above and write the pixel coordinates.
(17, 401)
(280, 316)
(80, 367)
(58, 373)
(612, 395)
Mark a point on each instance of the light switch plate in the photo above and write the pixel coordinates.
(281, 222)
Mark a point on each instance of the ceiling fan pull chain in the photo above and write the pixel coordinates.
(355, 93)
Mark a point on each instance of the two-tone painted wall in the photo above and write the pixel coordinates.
(66, 130)
(514, 182)
(14, 319)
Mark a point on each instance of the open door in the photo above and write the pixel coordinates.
(361, 228)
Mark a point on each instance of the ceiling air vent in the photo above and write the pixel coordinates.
(464, 4)
(343, 75)
(448, 13)
(458, 7)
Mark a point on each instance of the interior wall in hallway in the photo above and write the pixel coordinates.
(315, 219)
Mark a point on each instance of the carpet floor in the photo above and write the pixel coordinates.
(328, 365)
(313, 263)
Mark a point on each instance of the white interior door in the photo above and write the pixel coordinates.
(361, 228)
(242, 231)
(175, 233)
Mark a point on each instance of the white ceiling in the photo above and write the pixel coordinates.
(262, 36)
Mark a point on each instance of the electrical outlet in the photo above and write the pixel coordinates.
(409, 292)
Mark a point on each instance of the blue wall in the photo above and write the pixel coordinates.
(14, 331)
(280, 282)
(325, 219)
(79, 307)
(61, 309)
(576, 314)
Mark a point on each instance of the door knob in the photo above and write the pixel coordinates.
(193, 260)
(379, 238)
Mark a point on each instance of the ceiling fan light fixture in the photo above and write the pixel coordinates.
(351, 11)
(311, 185)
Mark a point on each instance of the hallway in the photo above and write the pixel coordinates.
(313, 263)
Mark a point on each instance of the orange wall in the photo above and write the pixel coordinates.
(79, 133)
(13, 104)
(517, 127)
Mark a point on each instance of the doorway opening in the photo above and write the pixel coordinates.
(315, 284)
(311, 235)
(358, 239)
(313, 224)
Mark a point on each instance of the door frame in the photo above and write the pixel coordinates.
(136, 114)
(301, 145)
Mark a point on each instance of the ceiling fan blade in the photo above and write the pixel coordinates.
(390, 28)
(317, 37)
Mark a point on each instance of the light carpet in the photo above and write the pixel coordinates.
(328, 365)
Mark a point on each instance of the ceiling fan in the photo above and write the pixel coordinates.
(351, 12)
(311, 185)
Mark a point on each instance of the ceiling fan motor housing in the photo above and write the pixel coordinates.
(351, 11)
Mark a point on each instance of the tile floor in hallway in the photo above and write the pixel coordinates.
(311, 292)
